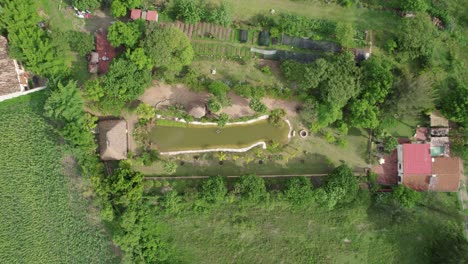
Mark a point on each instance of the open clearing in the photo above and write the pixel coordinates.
(44, 218)
(275, 233)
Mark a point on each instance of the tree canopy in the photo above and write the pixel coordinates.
(127, 34)
(168, 48)
(341, 186)
(214, 189)
(251, 188)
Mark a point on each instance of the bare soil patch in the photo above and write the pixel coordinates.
(289, 106)
(161, 94)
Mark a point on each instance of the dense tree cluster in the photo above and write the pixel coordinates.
(192, 12)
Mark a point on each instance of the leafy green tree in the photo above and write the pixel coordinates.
(119, 7)
(93, 90)
(406, 196)
(390, 144)
(454, 101)
(299, 191)
(139, 58)
(218, 88)
(145, 111)
(214, 189)
(344, 33)
(168, 48)
(223, 119)
(171, 202)
(221, 14)
(410, 96)
(276, 116)
(377, 79)
(170, 167)
(341, 186)
(416, 37)
(86, 4)
(123, 83)
(414, 5)
(251, 188)
(124, 188)
(189, 11)
(213, 105)
(257, 105)
(127, 34)
(363, 114)
(80, 42)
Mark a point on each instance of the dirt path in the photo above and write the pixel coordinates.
(463, 194)
(233, 176)
(162, 94)
(172, 94)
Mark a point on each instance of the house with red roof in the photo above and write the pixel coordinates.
(418, 170)
(150, 15)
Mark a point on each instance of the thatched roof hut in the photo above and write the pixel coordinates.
(197, 111)
(113, 139)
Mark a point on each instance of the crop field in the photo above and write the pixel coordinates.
(274, 233)
(219, 51)
(44, 218)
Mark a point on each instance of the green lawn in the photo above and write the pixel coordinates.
(62, 19)
(275, 233)
(363, 17)
(44, 218)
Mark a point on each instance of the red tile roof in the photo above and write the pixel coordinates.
(105, 50)
(417, 159)
(135, 14)
(152, 15)
(418, 182)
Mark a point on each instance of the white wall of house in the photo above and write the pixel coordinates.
(17, 94)
(400, 163)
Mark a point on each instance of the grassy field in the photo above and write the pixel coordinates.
(274, 233)
(44, 218)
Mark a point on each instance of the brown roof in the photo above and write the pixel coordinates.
(8, 77)
(418, 182)
(113, 139)
(448, 172)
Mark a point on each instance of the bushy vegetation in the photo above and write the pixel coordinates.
(45, 218)
(193, 12)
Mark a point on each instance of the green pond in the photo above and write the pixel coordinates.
(197, 137)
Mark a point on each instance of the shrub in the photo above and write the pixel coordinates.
(329, 137)
(188, 11)
(406, 196)
(223, 119)
(298, 190)
(149, 156)
(257, 105)
(341, 186)
(276, 116)
(390, 143)
(145, 111)
(244, 90)
(213, 105)
(170, 167)
(266, 69)
(251, 188)
(342, 143)
(218, 88)
(214, 189)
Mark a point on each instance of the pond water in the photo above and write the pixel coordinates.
(197, 137)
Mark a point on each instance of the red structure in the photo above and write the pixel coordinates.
(105, 51)
(135, 14)
(150, 15)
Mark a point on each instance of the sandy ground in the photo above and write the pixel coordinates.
(164, 94)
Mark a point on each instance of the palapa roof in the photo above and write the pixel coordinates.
(9, 82)
(437, 120)
(113, 139)
(197, 111)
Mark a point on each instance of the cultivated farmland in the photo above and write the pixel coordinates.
(44, 218)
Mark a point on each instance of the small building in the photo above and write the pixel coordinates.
(13, 77)
(150, 15)
(135, 14)
(418, 170)
(197, 111)
(113, 139)
(243, 35)
(264, 38)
